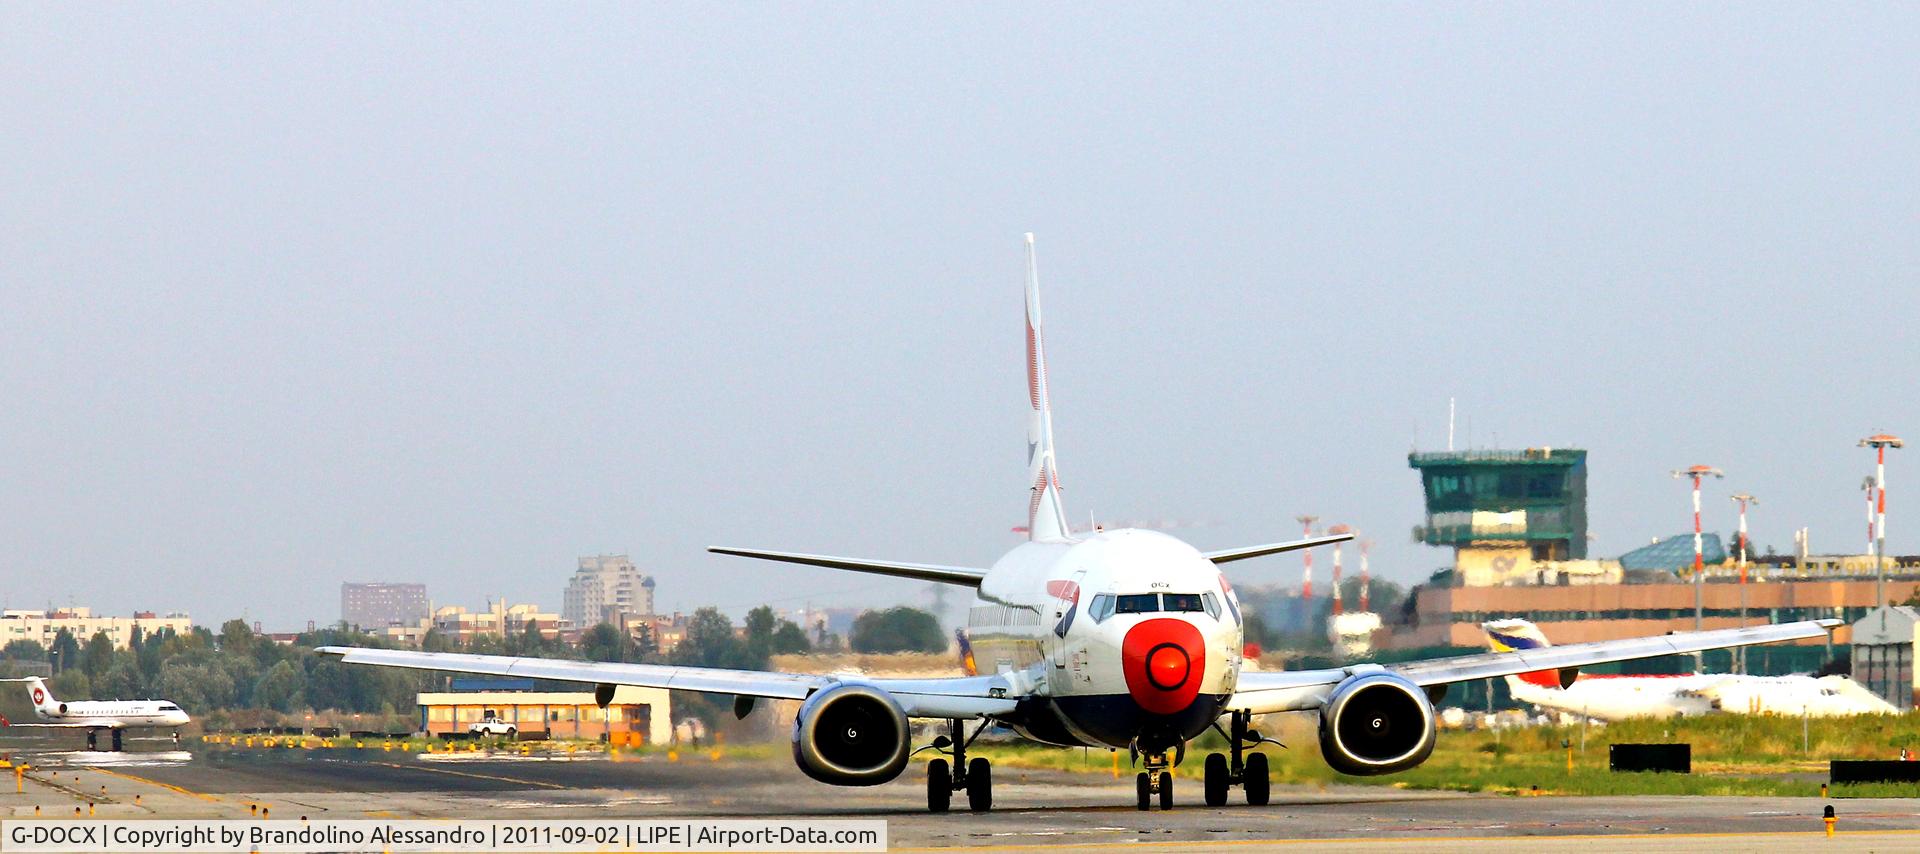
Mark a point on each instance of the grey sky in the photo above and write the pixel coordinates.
(457, 293)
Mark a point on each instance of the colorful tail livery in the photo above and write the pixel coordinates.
(43, 700)
(1514, 635)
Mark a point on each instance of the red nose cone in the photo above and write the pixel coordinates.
(1164, 660)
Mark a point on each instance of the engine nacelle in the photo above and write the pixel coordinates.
(1376, 723)
(851, 735)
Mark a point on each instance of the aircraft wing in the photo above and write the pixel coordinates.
(96, 725)
(957, 697)
(1244, 552)
(1262, 692)
(918, 571)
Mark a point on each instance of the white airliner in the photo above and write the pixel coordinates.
(1126, 639)
(1610, 697)
(94, 716)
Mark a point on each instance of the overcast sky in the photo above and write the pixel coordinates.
(293, 295)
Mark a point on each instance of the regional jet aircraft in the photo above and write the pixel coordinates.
(113, 716)
(1610, 697)
(1125, 639)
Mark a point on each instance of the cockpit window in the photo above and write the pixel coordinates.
(1101, 608)
(1226, 593)
(1181, 602)
(1137, 603)
(169, 708)
(1213, 605)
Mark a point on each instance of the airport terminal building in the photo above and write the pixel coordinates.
(1516, 520)
(635, 714)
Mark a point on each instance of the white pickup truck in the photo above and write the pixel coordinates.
(491, 725)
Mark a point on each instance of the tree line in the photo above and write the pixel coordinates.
(207, 672)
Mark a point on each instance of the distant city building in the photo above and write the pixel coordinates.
(43, 626)
(607, 589)
(500, 618)
(377, 605)
(668, 630)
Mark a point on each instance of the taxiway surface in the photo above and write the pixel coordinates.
(1032, 808)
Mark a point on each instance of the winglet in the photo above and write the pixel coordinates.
(1046, 517)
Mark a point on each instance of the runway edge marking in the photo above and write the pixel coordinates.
(541, 783)
(168, 786)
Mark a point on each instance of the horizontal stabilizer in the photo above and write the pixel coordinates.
(1244, 552)
(917, 571)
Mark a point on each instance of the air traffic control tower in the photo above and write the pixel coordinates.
(1505, 512)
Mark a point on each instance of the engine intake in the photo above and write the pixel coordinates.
(1376, 723)
(851, 735)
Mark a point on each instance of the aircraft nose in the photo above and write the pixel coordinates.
(1164, 660)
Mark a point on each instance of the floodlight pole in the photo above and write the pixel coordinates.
(1337, 529)
(1306, 555)
(1699, 562)
(1866, 485)
(1880, 443)
(1740, 652)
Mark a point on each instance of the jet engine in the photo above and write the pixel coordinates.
(851, 735)
(1376, 723)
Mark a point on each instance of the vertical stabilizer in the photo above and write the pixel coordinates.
(1515, 635)
(1046, 518)
(42, 696)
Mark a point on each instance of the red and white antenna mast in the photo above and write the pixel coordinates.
(1306, 555)
(1699, 564)
(1867, 485)
(1880, 443)
(1365, 577)
(1337, 596)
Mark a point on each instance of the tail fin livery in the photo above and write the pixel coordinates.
(1046, 518)
(43, 700)
(1515, 635)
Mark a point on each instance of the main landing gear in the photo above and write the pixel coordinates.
(93, 739)
(976, 777)
(1248, 772)
(1156, 780)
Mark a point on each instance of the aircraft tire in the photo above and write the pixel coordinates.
(979, 784)
(939, 786)
(1145, 787)
(1256, 782)
(1166, 790)
(1216, 780)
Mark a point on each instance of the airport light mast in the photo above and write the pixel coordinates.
(1880, 443)
(1699, 564)
(1306, 584)
(1866, 484)
(1743, 499)
(1365, 578)
(1337, 529)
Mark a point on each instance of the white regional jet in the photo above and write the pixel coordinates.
(95, 715)
(1126, 639)
(1613, 697)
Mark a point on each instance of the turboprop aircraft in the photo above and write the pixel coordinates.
(1126, 639)
(95, 716)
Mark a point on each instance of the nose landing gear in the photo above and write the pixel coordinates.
(1247, 771)
(975, 776)
(1156, 780)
